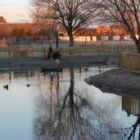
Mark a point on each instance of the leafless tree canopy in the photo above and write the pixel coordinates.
(127, 13)
(72, 14)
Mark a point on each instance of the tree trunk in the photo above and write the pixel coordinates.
(71, 40)
(138, 46)
(17, 42)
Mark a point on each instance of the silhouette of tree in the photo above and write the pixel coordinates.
(127, 14)
(71, 14)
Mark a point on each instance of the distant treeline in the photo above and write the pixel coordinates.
(26, 31)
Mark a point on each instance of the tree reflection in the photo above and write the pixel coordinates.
(132, 106)
(66, 118)
(133, 129)
(70, 123)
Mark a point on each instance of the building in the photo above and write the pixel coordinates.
(34, 30)
(108, 33)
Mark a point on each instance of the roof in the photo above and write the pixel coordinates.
(102, 30)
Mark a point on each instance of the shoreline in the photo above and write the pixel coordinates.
(37, 63)
(117, 81)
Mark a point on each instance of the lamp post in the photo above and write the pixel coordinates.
(51, 36)
(57, 40)
(56, 30)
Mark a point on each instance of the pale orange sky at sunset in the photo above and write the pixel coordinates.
(16, 10)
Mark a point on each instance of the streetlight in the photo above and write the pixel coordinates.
(54, 30)
(57, 40)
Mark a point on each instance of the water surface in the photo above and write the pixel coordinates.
(61, 106)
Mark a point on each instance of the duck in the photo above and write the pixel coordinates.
(6, 87)
(28, 85)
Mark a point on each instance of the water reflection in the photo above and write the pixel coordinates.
(61, 106)
(70, 116)
(132, 107)
(68, 119)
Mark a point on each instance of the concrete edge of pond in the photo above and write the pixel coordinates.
(117, 81)
(36, 63)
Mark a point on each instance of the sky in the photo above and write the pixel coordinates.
(16, 10)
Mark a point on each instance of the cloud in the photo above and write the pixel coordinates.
(15, 13)
(24, 20)
(1, 4)
(15, 2)
(3, 13)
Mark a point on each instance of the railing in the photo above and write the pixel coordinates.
(131, 62)
(26, 52)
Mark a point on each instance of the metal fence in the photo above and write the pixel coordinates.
(26, 52)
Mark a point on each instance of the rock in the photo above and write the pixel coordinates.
(116, 81)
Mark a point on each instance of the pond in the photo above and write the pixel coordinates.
(61, 106)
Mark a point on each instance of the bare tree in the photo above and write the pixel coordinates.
(2, 19)
(127, 14)
(71, 14)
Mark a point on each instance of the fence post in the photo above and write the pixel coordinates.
(26, 52)
(8, 53)
(44, 51)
